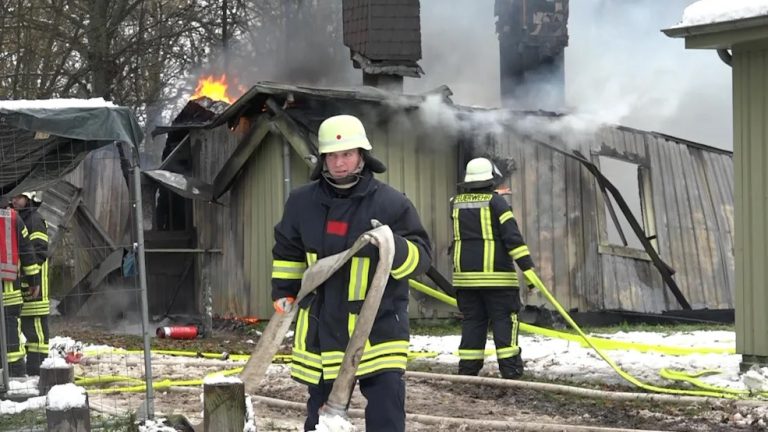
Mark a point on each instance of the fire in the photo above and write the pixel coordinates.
(212, 88)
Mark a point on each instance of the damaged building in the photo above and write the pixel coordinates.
(665, 246)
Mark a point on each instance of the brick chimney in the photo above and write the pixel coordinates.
(532, 37)
(384, 40)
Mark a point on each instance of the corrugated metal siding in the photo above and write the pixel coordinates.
(553, 200)
(104, 190)
(243, 226)
(559, 208)
(750, 98)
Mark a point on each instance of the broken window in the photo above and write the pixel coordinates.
(633, 182)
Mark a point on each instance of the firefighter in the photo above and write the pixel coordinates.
(34, 312)
(323, 218)
(16, 251)
(486, 243)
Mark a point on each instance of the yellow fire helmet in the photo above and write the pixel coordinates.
(342, 132)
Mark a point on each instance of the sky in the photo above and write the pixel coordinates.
(618, 65)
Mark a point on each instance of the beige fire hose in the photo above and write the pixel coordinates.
(314, 276)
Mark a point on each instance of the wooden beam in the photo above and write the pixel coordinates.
(247, 146)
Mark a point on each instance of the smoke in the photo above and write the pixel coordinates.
(619, 68)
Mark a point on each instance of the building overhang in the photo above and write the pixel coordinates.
(724, 34)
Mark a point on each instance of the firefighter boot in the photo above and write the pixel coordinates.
(512, 367)
(470, 367)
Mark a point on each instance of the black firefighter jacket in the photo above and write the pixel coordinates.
(486, 242)
(38, 235)
(317, 223)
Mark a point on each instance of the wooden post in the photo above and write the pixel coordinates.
(71, 419)
(51, 376)
(224, 406)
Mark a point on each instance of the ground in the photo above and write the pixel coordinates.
(424, 397)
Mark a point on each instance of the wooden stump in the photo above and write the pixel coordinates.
(75, 419)
(224, 406)
(50, 377)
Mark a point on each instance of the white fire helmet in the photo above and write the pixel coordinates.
(33, 196)
(342, 132)
(480, 169)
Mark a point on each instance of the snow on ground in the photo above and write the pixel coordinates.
(545, 358)
(559, 359)
(713, 11)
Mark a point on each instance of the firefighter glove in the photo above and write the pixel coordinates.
(283, 304)
(32, 293)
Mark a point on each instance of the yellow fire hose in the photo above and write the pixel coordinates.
(598, 345)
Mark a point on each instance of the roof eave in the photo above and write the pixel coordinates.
(722, 35)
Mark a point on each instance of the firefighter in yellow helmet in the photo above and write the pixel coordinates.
(36, 307)
(323, 218)
(486, 245)
(18, 265)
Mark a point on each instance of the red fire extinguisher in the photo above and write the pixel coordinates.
(178, 332)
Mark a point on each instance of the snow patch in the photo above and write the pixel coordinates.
(11, 407)
(713, 11)
(334, 424)
(54, 363)
(63, 397)
(157, 425)
(250, 416)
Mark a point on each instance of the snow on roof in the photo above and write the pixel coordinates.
(65, 396)
(714, 11)
(55, 103)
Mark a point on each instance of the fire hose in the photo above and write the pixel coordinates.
(314, 276)
(707, 391)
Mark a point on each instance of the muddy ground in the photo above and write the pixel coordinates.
(425, 397)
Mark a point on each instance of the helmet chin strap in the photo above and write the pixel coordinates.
(344, 182)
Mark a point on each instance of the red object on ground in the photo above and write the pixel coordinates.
(177, 332)
(73, 357)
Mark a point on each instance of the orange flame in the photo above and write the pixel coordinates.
(212, 88)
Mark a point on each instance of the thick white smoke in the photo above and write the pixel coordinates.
(619, 67)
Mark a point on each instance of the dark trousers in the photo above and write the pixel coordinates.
(12, 337)
(497, 308)
(385, 411)
(35, 329)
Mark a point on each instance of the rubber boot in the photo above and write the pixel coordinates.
(512, 367)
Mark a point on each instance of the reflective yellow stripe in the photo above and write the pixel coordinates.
(38, 236)
(358, 278)
(287, 269)
(481, 279)
(502, 353)
(311, 258)
(507, 215)
(489, 248)
(456, 241)
(351, 321)
(410, 263)
(472, 354)
(519, 252)
(302, 325)
(11, 295)
(24, 232)
(306, 366)
(387, 355)
(31, 269)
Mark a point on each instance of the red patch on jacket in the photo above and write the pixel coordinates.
(338, 228)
